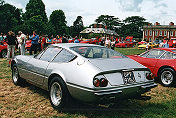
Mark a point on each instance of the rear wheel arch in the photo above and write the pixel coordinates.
(161, 68)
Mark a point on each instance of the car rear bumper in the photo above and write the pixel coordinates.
(108, 94)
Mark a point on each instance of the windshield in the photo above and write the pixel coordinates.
(97, 52)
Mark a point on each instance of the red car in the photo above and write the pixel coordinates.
(28, 45)
(124, 44)
(171, 42)
(161, 62)
(86, 41)
(142, 42)
(3, 49)
(55, 41)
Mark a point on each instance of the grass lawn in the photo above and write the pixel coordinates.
(129, 51)
(29, 101)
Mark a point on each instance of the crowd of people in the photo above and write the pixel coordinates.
(39, 42)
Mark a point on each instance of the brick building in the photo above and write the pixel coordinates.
(158, 32)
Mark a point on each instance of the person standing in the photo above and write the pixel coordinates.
(107, 43)
(76, 40)
(40, 43)
(11, 41)
(22, 40)
(1, 37)
(34, 46)
(64, 40)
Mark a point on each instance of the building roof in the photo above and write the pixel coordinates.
(98, 31)
(160, 26)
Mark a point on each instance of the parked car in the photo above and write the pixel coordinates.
(86, 72)
(55, 41)
(124, 44)
(86, 41)
(28, 45)
(161, 62)
(171, 42)
(142, 42)
(151, 45)
(3, 49)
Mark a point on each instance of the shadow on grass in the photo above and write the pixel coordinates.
(124, 108)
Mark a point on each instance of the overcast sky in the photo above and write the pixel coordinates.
(163, 11)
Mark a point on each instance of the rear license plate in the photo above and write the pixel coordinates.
(128, 77)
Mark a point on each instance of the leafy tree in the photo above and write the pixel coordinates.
(132, 26)
(35, 23)
(10, 17)
(77, 26)
(2, 2)
(110, 21)
(35, 8)
(57, 19)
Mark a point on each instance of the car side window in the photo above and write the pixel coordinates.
(145, 54)
(169, 55)
(155, 54)
(50, 53)
(64, 56)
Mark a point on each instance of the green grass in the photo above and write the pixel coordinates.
(30, 101)
(129, 51)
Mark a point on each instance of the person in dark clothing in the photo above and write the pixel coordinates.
(39, 43)
(11, 41)
(34, 46)
(64, 40)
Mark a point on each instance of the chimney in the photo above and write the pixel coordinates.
(157, 23)
(100, 26)
(95, 25)
(171, 23)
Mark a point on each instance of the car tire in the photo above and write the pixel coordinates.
(59, 95)
(3, 53)
(126, 46)
(167, 77)
(17, 80)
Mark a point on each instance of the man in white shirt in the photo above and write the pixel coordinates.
(22, 38)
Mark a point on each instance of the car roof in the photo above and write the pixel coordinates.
(166, 49)
(69, 45)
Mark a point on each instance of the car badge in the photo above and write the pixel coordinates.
(139, 75)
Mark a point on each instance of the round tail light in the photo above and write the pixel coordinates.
(103, 82)
(96, 82)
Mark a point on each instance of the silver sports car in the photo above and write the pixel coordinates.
(86, 72)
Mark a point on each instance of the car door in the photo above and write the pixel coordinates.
(37, 66)
(151, 58)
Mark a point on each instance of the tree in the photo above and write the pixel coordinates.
(110, 21)
(35, 23)
(57, 19)
(10, 17)
(77, 26)
(2, 2)
(132, 26)
(35, 8)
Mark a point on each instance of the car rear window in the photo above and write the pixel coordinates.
(97, 52)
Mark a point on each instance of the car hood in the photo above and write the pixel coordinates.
(116, 64)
